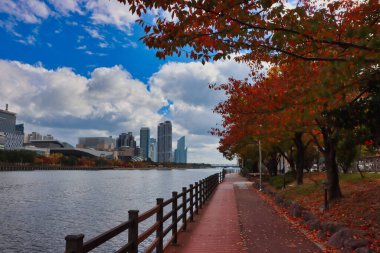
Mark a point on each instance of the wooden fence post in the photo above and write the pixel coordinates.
(74, 243)
(174, 217)
(200, 194)
(133, 231)
(207, 187)
(191, 203)
(184, 208)
(204, 191)
(160, 229)
(196, 198)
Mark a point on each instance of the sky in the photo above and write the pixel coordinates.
(75, 68)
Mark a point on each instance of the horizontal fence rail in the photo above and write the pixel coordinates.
(191, 200)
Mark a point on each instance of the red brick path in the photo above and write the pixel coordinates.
(236, 220)
(216, 229)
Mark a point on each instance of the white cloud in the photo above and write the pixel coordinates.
(49, 94)
(111, 101)
(29, 40)
(188, 82)
(103, 44)
(27, 11)
(65, 7)
(112, 13)
(94, 33)
(82, 47)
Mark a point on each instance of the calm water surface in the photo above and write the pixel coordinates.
(38, 208)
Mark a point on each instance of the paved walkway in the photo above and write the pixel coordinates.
(216, 229)
(263, 230)
(236, 220)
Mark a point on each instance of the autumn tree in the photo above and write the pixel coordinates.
(336, 41)
(292, 102)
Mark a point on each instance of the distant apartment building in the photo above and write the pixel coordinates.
(126, 140)
(144, 142)
(180, 154)
(34, 136)
(12, 136)
(48, 137)
(97, 143)
(125, 153)
(153, 150)
(164, 142)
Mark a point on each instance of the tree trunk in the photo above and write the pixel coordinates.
(331, 165)
(300, 158)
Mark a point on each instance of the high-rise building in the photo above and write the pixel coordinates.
(164, 142)
(153, 150)
(12, 136)
(126, 140)
(180, 154)
(144, 142)
(98, 143)
(2, 140)
(7, 121)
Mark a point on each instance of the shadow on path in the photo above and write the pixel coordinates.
(263, 229)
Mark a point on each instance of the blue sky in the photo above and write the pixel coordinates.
(77, 68)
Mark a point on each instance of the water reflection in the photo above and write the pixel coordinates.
(39, 208)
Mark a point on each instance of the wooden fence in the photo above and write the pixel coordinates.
(192, 199)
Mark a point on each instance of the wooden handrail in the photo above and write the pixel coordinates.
(102, 238)
(148, 232)
(192, 199)
(148, 213)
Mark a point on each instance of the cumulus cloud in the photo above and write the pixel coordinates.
(110, 101)
(110, 94)
(188, 82)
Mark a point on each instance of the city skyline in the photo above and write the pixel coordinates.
(81, 70)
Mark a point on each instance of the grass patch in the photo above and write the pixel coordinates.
(278, 181)
(355, 177)
(302, 190)
(313, 182)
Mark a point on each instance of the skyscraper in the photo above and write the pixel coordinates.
(126, 140)
(153, 150)
(12, 136)
(164, 142)
(180, 154)
(144, 142)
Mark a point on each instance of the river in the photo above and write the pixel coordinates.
(39, 208)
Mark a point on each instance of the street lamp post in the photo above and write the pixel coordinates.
(260, 164)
